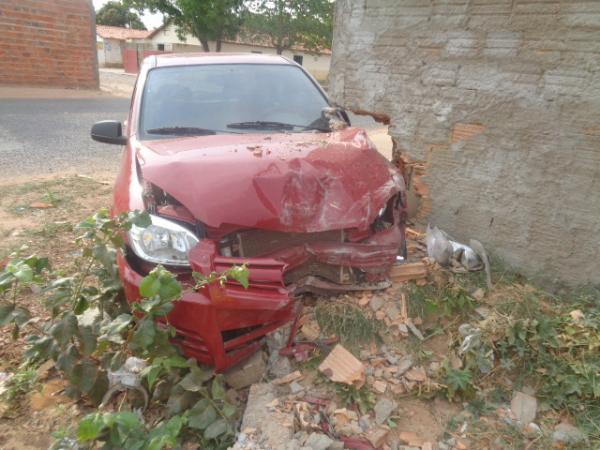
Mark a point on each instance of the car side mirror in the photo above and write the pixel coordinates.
(109, 132)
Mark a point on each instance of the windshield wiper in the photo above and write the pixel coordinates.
(186, 131)
(268, 125)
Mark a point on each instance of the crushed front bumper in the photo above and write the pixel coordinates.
(220, 325)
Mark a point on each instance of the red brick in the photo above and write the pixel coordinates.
(48, 42)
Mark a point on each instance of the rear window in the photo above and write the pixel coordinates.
(215, 97)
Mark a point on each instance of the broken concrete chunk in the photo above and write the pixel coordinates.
(404, 364)
(417, 374)
(524, 407)
(318, 441)
(377, 436)
(376, 303)
(408, 272)
(275, 427)
(383, 410)
(294, 376)
(342, 366)
(296, 388)
(247, 372)
(311, 330)
(565, 433)
(380, 386)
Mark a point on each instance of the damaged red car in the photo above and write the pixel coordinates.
(243, 159)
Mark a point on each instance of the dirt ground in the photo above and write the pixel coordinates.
(38, 216)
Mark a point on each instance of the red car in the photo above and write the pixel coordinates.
(244, 159)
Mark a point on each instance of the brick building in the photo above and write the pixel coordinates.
(499, 100)
(48, 43)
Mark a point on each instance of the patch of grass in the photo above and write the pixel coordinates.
(347, 321)
(350, 396)
(428, 300)
(53, 229)
(20, 384)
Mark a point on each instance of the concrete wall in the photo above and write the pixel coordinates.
(48, 43)
(317, 65)
(500, 99)
(109, 52)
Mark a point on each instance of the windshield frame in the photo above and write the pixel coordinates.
(141, 136)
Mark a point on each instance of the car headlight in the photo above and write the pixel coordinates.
(163, 242)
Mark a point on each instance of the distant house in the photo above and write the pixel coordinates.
(110, 42)
(165, 39)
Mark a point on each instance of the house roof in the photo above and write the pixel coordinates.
(121, 34)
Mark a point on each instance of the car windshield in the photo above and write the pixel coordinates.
(229, 98)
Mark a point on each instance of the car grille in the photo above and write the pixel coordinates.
(257, 243)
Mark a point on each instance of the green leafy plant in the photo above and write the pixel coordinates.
(92, 331)
(457, 382)
(351, 395)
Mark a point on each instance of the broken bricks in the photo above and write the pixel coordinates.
(341, 366)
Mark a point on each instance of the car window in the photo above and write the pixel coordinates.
(217, 97)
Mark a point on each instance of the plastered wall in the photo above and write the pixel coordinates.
(500, 99)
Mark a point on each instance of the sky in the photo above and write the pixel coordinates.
(151, 21)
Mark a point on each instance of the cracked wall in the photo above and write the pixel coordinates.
(499, 100)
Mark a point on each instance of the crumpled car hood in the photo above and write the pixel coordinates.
(295, 182)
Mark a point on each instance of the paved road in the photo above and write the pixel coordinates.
(46, 136)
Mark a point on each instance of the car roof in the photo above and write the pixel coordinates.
(185, 59)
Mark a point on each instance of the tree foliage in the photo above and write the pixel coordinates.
(117, 14)
(207, 20)
(289, 23)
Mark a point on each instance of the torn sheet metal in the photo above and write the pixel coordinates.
(448, 252)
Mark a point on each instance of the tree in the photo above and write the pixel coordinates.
(287, 23)
(117, 14)
(207, 20)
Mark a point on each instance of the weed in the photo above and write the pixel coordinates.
(350, 396)
(92, 332)
(347, 321)
(458, 382)
(19, 384)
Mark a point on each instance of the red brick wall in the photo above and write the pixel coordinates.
(48, 43)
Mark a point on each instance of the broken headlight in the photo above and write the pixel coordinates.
(163, 242)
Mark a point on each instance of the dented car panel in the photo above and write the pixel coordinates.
(319, 212)
(291, 183)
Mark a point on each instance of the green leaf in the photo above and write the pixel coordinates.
(21, 271)
(170, 289)
(179, 401)
(195, 379)
(228, 409)
(140, 218)
(240, 274)
(113, 330)
(143, 336)
(83, 375)
(87, 339)
(201, 419)
(6, 313)
(150, 286)
(117, 360)
(215, 429)
(152, 373)
(65, 329)
(81, 305)
(67, 358)
(90, 427)
(218, 388)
